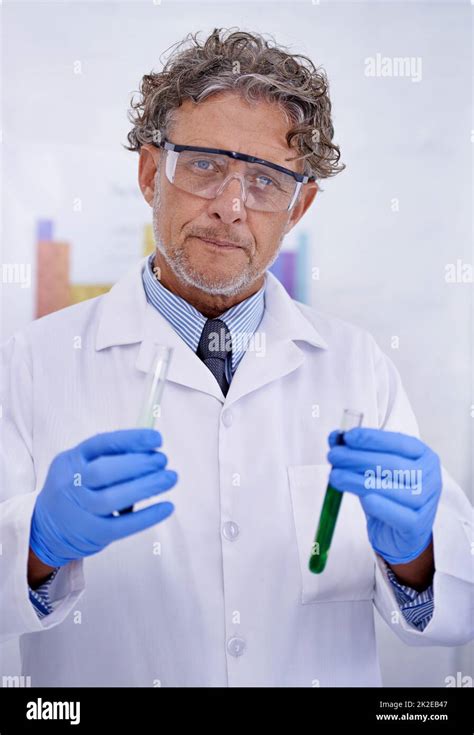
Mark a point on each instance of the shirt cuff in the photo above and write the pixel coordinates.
(39, 597)
(417, 607)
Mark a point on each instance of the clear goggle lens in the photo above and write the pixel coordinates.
(206, 174)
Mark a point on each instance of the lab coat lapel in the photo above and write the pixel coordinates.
(127, 318)
(275, 353)
(186, 368)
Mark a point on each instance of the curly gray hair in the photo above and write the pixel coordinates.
(256, 69)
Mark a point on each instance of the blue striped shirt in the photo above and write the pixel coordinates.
(242, 320)
(417, 607)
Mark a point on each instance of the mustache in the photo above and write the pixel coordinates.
(212, 235)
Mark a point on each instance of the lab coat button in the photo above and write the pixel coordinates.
(227, 418)
(230, 530)
(236, 646)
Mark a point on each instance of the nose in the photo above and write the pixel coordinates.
(228, 205)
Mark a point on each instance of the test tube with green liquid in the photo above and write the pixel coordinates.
(332, 502)
(155, 383)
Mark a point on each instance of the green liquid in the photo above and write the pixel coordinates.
(324, 534)
(331, 504)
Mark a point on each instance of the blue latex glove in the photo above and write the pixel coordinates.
(400, 509)
(72, 517)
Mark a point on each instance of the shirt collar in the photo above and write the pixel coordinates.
(242, 319)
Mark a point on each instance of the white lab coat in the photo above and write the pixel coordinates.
(195, 600)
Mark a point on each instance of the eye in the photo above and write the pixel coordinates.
(203, 164)
(265, 182)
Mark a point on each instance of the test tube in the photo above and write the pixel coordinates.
(332, 502)
(153, 393)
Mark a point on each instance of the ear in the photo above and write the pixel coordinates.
(147, 166)
(304, 201)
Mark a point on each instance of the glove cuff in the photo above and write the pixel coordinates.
(39, 550)
(409, 557)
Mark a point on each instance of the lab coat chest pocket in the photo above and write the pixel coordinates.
(350, 569)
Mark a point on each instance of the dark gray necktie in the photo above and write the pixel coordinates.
(214, 348)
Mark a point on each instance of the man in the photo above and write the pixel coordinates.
(211, 587)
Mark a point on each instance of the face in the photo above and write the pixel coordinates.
(184, 223)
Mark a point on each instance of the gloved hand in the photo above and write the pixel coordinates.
(398, 481)
(72, 517)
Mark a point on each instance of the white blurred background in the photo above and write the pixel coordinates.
(383, 233)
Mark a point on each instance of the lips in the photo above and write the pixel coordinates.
(223, 244)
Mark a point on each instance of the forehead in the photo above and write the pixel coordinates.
(226, 121)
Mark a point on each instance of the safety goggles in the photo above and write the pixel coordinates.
(265, 186)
